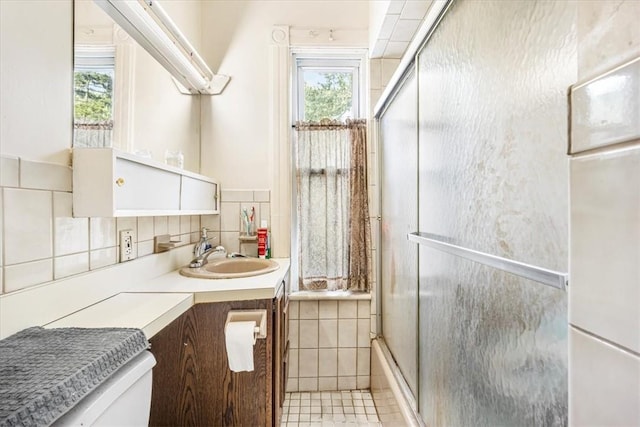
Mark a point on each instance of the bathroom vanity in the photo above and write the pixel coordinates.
(184, 320)
(192, 383)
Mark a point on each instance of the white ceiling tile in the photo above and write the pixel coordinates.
(415, 9)
(387, 26)
(395, 6)
(395, 49)
(378, 49)
(404, 30)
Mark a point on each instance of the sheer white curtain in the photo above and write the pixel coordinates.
(322, 165)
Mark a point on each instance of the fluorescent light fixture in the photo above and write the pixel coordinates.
(148, 23)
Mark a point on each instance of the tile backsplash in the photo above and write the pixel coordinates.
(40, 239)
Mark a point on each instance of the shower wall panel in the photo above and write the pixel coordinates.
(493, 128)
(399, 206)
(493, 83)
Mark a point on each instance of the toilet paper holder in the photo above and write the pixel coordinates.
(258, 316)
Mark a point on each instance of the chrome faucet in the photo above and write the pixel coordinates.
(201, 260)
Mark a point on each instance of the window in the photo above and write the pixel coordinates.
(325, 88)
(94, 72)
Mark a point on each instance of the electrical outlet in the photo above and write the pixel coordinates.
(126, 245)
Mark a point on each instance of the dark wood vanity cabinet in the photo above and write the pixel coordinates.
(192, 383)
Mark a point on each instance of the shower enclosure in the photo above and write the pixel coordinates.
(473, 182)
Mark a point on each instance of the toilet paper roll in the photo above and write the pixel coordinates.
(239, 339)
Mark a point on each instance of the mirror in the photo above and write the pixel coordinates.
(124, 98)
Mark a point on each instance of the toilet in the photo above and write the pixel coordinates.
(124, 399)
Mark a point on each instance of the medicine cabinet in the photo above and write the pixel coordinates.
(111, 183)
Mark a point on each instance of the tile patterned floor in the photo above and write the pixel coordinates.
(329, 408)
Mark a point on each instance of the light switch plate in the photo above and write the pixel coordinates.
(126, 245)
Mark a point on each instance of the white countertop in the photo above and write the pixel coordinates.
(153, 304)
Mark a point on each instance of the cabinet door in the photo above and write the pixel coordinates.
(142, 187)
(192, 383)
(198, 195)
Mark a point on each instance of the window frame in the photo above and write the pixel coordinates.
(327, 59)
(353, 60)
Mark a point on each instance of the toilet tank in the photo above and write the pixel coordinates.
(124, 399)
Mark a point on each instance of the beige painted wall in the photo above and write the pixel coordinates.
(36, 79)
(236, 39)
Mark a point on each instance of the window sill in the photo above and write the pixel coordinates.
(328, 295)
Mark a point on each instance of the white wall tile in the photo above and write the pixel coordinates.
(210, 222)
(375, 74)
(328, 310)
(347, 383)
(308, 384)
(327, 384)
(363, 382)
(293, 362)
(174, 225)
(364, 309)
(44, 176)
(604, 296)
(160, 225)
(102, 233)
(261, 196)
(9, 171)
(69, 265)
(389, 66)
(328, 362)
(347, 332)
(293, 333)
(604, 383)
(237, 196)
(102, 258)
(195, 223)
(328, 333)
(364, 328)
(347, 362)
(127, 223)
(395, 49)
(20, 276)
(605, 111)
(145, 248)
(185, 224)
(308, 362)
(364, 361)
(292, 385)
(70, 235)
(308, 333)
(27, 233)
(293, 310)
(230, 217)
(229, 239)
(347, 309)
(145, 228)
(308, 309)
(265, 213)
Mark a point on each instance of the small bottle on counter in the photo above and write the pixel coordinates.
(262, 239)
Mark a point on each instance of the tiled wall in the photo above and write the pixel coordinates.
(41, 241)
(329, 345)
(604, 285)
(226, 227)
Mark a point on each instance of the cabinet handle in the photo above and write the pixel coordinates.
(120, 182)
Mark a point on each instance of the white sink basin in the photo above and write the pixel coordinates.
(230, 268)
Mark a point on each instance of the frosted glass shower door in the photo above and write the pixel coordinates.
(399, 207)
(493, 176)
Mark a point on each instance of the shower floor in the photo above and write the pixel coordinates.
(328, 408)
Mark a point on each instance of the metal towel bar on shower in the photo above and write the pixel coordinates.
(538, 274)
